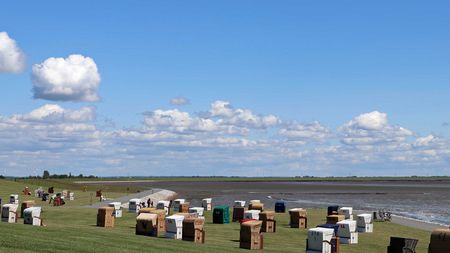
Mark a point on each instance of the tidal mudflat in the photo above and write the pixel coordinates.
(424, 200)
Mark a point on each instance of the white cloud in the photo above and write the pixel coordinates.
(175, 142)
(49, 127)
(245, 118)
(180, 101)
(221, 109)
(173, 120)
(12, 59)
(176, 121)
(431, 146)
(369, 121)
(372, 129)
(425, 141)
(311, 131)
(52, 112)
(75, 78)
(221, 119)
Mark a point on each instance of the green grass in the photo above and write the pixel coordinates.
(72, 229)
(8, 187)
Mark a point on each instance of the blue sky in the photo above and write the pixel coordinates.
(300, 61)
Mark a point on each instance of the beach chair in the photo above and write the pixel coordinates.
(402, 245)
(439, 241)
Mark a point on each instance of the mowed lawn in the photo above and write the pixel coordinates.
(72, 229)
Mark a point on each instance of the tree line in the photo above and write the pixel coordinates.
(46, 174)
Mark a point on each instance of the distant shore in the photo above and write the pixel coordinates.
(112, 181)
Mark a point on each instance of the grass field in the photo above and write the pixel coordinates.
(70, 185)
(72, 229)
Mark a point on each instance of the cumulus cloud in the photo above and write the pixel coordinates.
(221, 109)
(12, 59)
(77, 147)
(48, 127)
(221, 119)
(432, 146)
(75, 78)
(235, 140)
(55, 113)
(224, 111)
(425, 141)
(369, 121)
(314, 131)
(179, 101)
(370, 129)
(174, 120)
(182, 122)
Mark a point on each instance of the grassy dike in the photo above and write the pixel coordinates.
(72, 229)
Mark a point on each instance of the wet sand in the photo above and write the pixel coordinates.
(412, 223)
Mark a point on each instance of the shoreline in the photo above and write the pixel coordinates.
(397, 219)
(416, 223)
(154, 194)
(409, 222)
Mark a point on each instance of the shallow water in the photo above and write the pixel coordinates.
(427, 201)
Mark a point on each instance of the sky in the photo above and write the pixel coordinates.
(248, 88)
